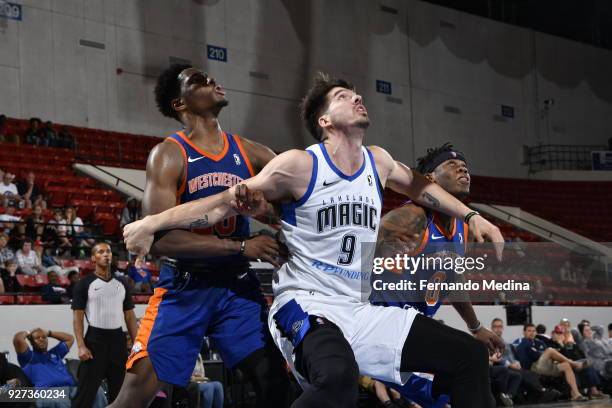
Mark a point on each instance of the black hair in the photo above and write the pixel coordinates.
(610, 326)
(581, 327)
(540, 329)
(497, 319)
(424, 161)
(72, 273)
(168, 88)
(528, 325)
(315, 102)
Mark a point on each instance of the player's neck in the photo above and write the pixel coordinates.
(205, 132)
(345, 152)
(104, 273)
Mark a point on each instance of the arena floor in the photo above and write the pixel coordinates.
(589, 404)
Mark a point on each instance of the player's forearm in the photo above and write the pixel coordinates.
(185, 244)
(431, 195)
(201, 213)
(466, 311)
(79, 329)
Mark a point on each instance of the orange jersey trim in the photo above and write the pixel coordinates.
(465, 237)
(183, 186)
(244, 155)
(448, 235)
(215, 157)
(146, 327)
(422, 245)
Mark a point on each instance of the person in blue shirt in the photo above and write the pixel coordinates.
(141, 276)
(533, 354)
(44, 367)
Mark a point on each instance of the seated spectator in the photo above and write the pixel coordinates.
(9, 192)
(30, 192)
(141, 276)
(74, 229)
(7, 136)
(65, 139)
(34, 134)
(131, 212)
(530, 381)
(9, 276)
(6, 253)
(35, 224)
(542, 336)
(534, 355)
(610, 333)
(55, 234)
(597, 352)
(74, 277)
(53, 292)
(12, 225)
(28, 260)
(588, 376)
(50, 134)
(45, 368)
(211, 392)
(49, 264)
(567, 335)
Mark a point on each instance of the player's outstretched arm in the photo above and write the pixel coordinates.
(281, 179)
(399, 177)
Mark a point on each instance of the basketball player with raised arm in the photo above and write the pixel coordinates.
(426, 232)
(321, 318)
(206, 289)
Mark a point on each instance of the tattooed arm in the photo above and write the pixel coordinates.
(399, 177)
(401, 231)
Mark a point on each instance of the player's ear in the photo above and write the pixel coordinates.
(324, 121)
(178, 104)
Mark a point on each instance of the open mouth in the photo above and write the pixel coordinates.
(361, 109)
(464, 179)
(220, 91)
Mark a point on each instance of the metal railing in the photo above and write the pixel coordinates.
(559, 157)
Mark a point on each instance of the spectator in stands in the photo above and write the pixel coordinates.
(11, 224)
(131, 212)
(53, 292)
(50, 134)
(211, 392)
(610, 332)
(35, 224)
(597, 352)
(542, 336)
(45, 367)
(9, 276)
(530, 381)
(65, 138)
(73, 278)
(567, 335)
(30, 192)
(6, 253)
(141, 276)
(9, 191)
(74, 229)
(5, 135)
(28, 260)
(48, 262)
(56, 231)
(533, 354)
(34, 134)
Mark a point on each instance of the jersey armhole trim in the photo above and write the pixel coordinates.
(288, 209)
(238, 141)
(183, 186)
(378, 183)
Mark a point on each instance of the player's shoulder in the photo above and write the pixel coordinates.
(382, 158)
(295, 159)
(258, 153)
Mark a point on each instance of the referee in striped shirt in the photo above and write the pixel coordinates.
(106, 302)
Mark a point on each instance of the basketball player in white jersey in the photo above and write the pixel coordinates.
(331, 200)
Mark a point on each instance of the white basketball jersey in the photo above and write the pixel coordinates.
(325, 230)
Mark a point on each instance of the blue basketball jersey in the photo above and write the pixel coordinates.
(436, 242)
(207, 174)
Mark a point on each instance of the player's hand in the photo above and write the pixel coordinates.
(483, 230)
(262, 247)
(493, 342)
(85, 354)
(249, 202)
(138, 237)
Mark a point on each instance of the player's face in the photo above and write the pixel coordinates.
(530, 333)
(102, 255)
(454, 177)
(498, 328)
(345, 109)
(200, 93)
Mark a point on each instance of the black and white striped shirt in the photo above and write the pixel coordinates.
(104, 302)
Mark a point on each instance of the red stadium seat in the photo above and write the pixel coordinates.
(7, 300)
(30, 300)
